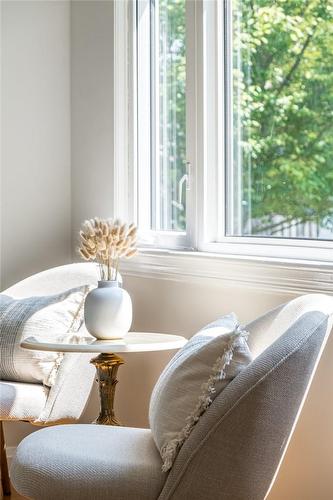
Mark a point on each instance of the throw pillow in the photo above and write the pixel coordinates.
(48, 316)
(198, 373)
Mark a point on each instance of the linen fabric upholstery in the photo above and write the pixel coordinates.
(193, 378)
(269, 327)
(56, 463)
(68, 396)
(237, 447)
(55, 280)
(20, 401)
(48, 316)
(234, 451)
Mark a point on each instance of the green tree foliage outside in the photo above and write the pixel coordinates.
(286, 83)
(283, 97)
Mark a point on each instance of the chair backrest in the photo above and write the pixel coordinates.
(269, 327)
(55, 280)
(68, 396)
(236, 448)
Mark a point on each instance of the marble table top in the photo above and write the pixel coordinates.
(132, 342)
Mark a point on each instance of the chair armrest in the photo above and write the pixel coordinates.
(69, 395)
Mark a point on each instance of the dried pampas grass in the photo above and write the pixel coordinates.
(107, 241)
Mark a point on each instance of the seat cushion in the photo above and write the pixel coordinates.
(195, 376)
(20, 401)
(88, 462)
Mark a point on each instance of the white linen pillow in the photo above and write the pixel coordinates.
(198, 373)
(48, 316)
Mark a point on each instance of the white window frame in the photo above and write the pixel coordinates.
(140, 11)
(207, 119)
(217, 19)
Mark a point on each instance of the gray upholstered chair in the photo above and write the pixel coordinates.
(67, 398)
(234, 451)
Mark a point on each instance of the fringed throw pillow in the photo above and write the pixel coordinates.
(198, 373)
(49, 316)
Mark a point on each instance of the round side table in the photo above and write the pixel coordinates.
(107, 362)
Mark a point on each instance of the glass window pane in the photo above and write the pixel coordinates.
(169, 116)
(281, 95)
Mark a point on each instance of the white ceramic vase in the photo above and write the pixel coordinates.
(108, 311)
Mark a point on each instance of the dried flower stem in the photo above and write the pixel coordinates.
(106, 242)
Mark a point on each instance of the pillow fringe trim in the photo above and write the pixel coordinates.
(170, 449)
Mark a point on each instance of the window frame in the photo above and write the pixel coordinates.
(207, 120)
(141, 38)
(217, 20)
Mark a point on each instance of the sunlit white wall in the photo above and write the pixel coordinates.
(35, 137)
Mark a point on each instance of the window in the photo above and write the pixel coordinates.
(281, 174)
(169, 114)
(234, 125)
(161, 42)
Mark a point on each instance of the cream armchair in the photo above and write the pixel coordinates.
(65, 401)
(233, 452)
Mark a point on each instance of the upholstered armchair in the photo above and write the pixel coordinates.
(65, 401)
(233, 452)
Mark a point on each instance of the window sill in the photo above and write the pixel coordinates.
(282, 275)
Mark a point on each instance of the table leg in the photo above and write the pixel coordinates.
(106, 367)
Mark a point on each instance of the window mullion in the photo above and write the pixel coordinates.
(122, 173)
(221, 123)
(208, 104)
(193, 145)
(155, 125)
(143, 115)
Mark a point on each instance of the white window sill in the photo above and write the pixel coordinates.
(266, 273)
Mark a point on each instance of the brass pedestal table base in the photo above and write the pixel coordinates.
(106, 370)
